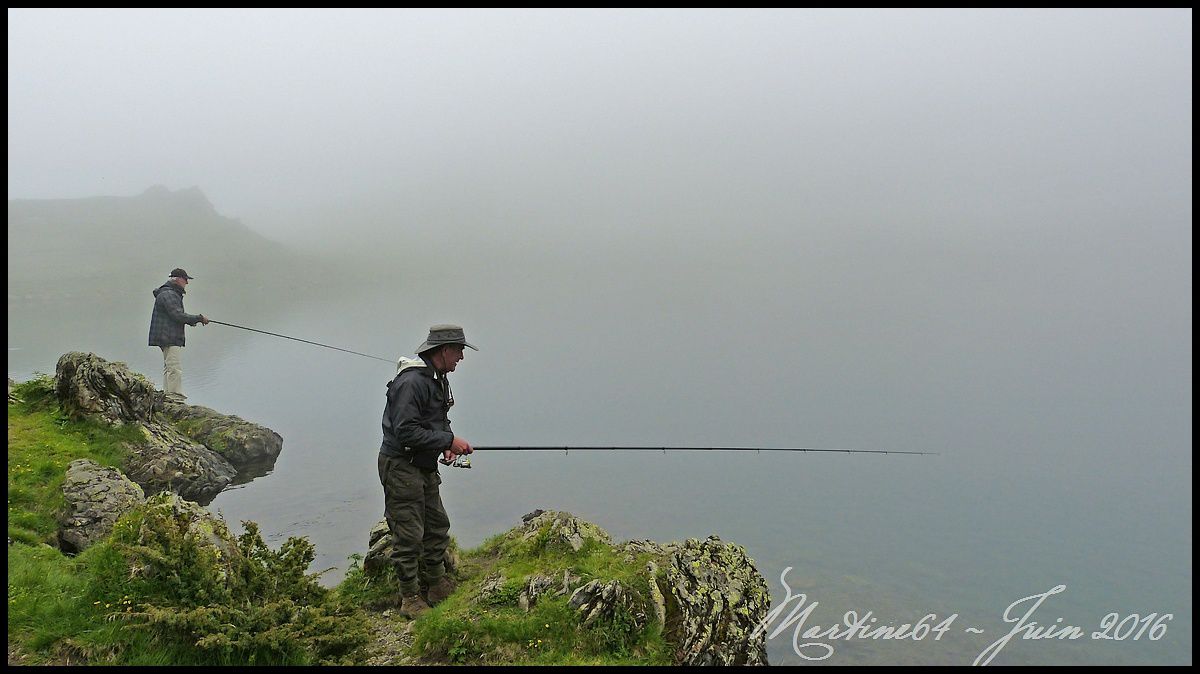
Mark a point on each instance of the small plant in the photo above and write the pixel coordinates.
(37, 392)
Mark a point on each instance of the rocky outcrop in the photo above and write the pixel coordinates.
(89, 385)
(96, 496)
(714, 598)
(539, 586)
(559, 528)
(237, 440)
(705, 596)
(169, 461)
(186, 449)
(599, 600)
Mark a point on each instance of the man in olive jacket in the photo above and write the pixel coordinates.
(166, 327)
(416, 432)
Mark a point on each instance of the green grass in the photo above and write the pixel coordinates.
(155, 592)
(41, 443)
(254, 605)
(202, 428)
(59, 616)
(471, 629)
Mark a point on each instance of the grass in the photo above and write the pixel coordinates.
(58, 616)
(254, 605)
(200, 428)
(42, 442)
(472, 629)
(155, 592)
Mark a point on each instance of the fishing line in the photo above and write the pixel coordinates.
(275, 334)
(567, 450)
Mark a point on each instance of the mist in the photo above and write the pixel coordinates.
(902, 218)
(959, 231)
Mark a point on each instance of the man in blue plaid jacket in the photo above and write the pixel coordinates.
(166, 328)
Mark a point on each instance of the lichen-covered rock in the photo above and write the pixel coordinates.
(239, 441)
(559, 528)
(704, 598)
(168, 461)
(191, 450)
(714, 598)
(87, 384)
(96, 496)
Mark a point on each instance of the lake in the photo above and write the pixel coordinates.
(1017, 501)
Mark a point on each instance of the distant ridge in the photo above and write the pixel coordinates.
(132, 242)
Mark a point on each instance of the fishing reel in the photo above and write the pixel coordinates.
(459, 461)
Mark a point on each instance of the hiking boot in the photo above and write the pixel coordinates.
(412, 606)
(443, 587)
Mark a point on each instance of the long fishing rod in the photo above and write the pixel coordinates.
(275, 334)
(569, 449)
(465, 461)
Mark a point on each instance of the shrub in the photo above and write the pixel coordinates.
(180, 578)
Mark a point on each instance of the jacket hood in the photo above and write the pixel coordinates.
(406, 363)
(168, 286)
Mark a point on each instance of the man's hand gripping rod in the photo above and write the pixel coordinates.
(459, 461)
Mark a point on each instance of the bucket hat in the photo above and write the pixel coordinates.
(444, 334)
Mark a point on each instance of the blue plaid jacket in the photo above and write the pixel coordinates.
(168, 319)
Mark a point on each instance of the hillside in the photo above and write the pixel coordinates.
(123, 244)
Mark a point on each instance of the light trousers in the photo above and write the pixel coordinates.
(172, 369)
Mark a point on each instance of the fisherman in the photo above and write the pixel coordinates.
(166, 328)
(416, 432)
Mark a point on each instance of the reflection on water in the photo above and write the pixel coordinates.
(247, 472)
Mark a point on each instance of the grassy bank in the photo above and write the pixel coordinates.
(160, 592)
(484, 622)
(157, 591)
(41, 443)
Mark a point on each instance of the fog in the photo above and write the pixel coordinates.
(545, 126)
(1013, 187)
(966, 232)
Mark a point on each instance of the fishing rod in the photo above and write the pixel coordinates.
(465, 462)
(462, 461)
(275, 334)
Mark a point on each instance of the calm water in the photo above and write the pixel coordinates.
(1008, 509)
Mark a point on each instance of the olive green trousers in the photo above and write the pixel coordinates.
(420, 527)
